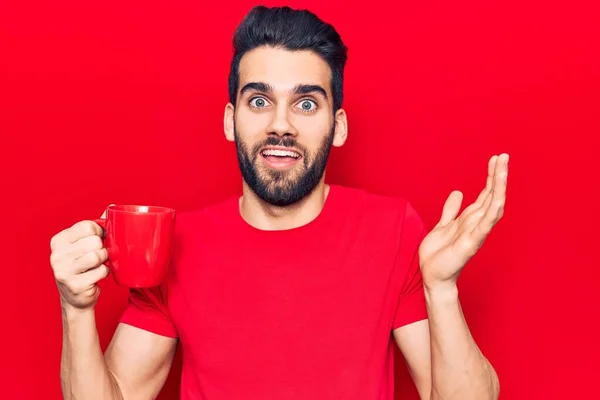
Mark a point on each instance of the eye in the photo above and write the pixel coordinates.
(258, 102)
(307, 105)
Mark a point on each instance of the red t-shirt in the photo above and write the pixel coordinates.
(305, 313)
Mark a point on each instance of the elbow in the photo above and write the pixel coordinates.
(494, 385)
(489, 383)
(485, 388)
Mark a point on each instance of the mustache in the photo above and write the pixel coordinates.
(278, 141)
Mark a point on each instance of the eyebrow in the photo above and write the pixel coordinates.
(307, 89)
(257, 86)
(298, 89)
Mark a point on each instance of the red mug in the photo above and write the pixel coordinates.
(138, 240)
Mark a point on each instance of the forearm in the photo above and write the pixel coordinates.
(459, 369)
(84, 374)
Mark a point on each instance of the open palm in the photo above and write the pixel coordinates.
(454, 240)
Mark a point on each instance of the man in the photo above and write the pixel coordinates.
(297, 289)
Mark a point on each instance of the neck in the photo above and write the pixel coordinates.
(265, 216)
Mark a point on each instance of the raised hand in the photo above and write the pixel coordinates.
(454, 240)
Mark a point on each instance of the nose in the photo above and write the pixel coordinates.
(280, 124)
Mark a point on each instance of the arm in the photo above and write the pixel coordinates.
(443, 358)
(83, 371)
(135, 366)
(136, 363)
(413, 342)
(441, 355)
(140, 361)
(459, 369)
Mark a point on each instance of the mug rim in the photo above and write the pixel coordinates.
(138, 209)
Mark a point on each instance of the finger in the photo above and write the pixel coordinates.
(86, 281)
(489, 196)
(79, 230)
(86, 244)
(451, 208)
(89, 260)
(78, 249)
(495, 208)
(488, 182)
(476, 207)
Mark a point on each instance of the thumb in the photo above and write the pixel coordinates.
(451, 208)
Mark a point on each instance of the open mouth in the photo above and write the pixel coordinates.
(280, 157)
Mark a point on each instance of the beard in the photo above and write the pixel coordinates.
(283, 188)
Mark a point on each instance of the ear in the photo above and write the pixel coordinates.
(341, 128)
(229, 122)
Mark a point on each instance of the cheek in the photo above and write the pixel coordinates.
(250, 126)
(313, 131)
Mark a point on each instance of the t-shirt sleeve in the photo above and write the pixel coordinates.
(147, 309)
(411, 304)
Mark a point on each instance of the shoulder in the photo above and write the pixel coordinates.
(380, 210)
(206, 217)
(196, 229)
(371, 203)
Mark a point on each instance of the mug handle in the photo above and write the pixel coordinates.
(102, 220)
(102, 223)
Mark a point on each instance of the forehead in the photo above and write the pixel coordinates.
(283, 69)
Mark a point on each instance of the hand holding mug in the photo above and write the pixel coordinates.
(133, 242)
(77, 259)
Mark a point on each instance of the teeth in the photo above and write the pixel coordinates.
(280, 153)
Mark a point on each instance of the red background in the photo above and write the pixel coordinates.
(122, 102)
